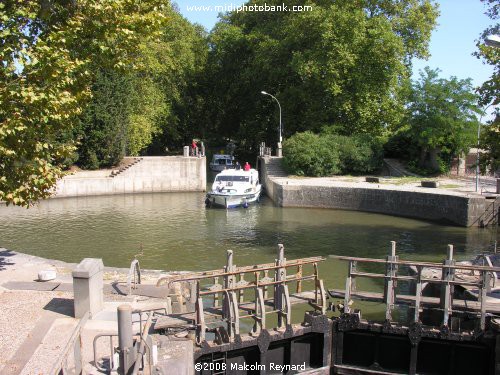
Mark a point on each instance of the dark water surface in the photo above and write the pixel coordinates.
(177, 232)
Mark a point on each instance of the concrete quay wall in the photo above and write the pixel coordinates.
(435, 205)
(152, 174)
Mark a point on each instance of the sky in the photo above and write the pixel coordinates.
(452, 43)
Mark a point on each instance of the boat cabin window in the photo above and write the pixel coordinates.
(233, 178)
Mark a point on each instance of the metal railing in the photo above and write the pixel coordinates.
(70, 360)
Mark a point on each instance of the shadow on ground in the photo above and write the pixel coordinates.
(63, 306)
(4, 258)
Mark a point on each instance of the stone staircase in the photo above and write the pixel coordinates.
(491, 215)
(396, 169)
(129, 163)
(274, 167)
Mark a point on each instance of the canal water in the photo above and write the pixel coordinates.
(177, 232)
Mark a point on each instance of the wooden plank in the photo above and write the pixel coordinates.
(410, 300)
(412, 263)
(214, 313)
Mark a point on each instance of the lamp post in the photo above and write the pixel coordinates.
(477, 150)
(281, 127)
(492, 41)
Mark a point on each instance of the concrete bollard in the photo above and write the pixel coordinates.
(186, 151)
(279, 150)
(88, 287)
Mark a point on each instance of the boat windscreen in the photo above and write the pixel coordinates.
(495, 260)
(233, 178)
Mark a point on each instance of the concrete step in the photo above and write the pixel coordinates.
(52, 346)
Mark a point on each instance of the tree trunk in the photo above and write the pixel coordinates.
(433, 159)
(423, 157)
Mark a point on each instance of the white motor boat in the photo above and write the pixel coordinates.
(221, 162)
(234, 188)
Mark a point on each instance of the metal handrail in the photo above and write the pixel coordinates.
(63, 357)
(111, 359)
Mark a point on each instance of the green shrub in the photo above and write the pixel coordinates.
(359, 154)
(308, 154)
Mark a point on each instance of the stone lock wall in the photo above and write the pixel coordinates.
(436, 205)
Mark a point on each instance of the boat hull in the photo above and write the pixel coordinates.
(215, 199)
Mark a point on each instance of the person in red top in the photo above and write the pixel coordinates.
(194, 148)
(247, 166)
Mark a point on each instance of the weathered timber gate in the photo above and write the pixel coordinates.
(453, 331)
(462, 341)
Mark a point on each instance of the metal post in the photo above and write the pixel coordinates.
(348, 286)
(418, 295)
(281, 125)
(446, 300)
(485, 285)
(125, 339)
(229, 282)
(390, 284)
(478, 144)
(280, 275)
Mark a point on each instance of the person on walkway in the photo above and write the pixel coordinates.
(247, 166)
(194, 148)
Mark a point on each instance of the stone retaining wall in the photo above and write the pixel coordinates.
(151, 174)
(435, 205)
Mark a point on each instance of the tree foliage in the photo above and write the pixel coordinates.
(489, 90)
(441, 117)
(327, 153)
(153, 100)
(341, 63)
(48, 49)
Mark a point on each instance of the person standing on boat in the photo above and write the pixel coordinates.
(247, 166)
(237, 166)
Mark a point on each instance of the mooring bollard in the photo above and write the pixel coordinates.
(125, 339)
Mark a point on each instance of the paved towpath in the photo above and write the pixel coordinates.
(36, 318)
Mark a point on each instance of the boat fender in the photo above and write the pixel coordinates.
(207, 202)
(245, 205)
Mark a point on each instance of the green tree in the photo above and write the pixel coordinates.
(442, 117)
(102, 134)
(48, 50)
(340, 63)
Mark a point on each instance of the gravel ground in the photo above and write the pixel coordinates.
(22, 310)
(17, 305)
